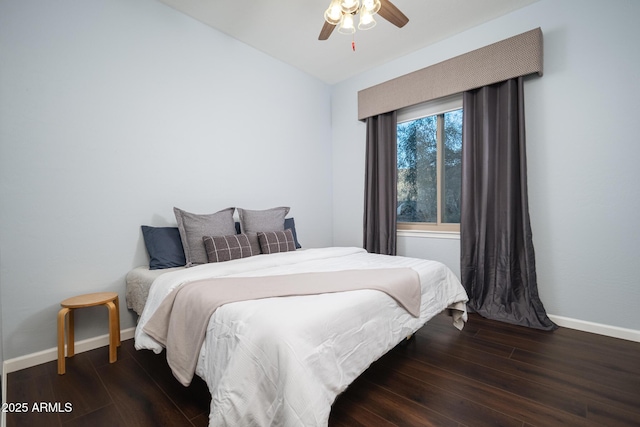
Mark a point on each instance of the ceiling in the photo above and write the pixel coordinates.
(288, 30)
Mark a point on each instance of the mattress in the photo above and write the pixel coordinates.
(139, 281)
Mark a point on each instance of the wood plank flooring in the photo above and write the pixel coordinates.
(490, 374)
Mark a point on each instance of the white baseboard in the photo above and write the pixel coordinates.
(596, 328)
(44, 356)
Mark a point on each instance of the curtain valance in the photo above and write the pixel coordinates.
(513, 57)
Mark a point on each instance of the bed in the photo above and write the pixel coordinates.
(282, 361)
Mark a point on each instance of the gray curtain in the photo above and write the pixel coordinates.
(497, 257)
(380, 185)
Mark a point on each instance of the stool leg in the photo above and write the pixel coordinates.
(71, 341)
(117, 302)
(61, 320)
(113, 334)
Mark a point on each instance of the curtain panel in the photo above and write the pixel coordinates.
(380, 193)
(497, 255)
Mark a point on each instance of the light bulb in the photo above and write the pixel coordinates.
(333, 14)
(366, 20)
(350, 6)
(372, 6)
(346, 26)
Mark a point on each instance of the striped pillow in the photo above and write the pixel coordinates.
(226, 248)
(272, 242)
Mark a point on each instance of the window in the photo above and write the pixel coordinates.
(429, 166)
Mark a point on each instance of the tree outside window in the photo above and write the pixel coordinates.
(429, 170)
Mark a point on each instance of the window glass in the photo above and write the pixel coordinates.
(452, 177)
(429, 167)
(417, 173)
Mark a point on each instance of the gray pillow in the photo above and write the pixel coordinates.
(266, 220)
(193, 227)
(253, 241)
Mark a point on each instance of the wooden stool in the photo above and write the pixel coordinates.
(110, 299)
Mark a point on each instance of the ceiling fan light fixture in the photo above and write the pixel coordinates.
(341, 14)
(350, 6)
(333, 14)
(366, 20)
(346, 25)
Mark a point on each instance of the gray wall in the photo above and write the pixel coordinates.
(583, 150)
(111, 113)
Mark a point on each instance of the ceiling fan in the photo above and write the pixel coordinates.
(341, 13)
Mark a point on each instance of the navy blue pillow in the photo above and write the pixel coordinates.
(289, 223)
(164, 247)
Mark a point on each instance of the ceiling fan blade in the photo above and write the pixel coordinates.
(326, 31)
(392, 14)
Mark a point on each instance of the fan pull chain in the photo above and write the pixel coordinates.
(353, 42)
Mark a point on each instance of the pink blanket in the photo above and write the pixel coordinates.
(180, 322)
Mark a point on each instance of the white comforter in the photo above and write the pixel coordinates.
(283, 361)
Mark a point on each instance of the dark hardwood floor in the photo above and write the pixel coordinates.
(490, 374)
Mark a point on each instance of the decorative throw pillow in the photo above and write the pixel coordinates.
(266, 220)
(193, 227)
(226, 248)
(164, 247)
(272, 242)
